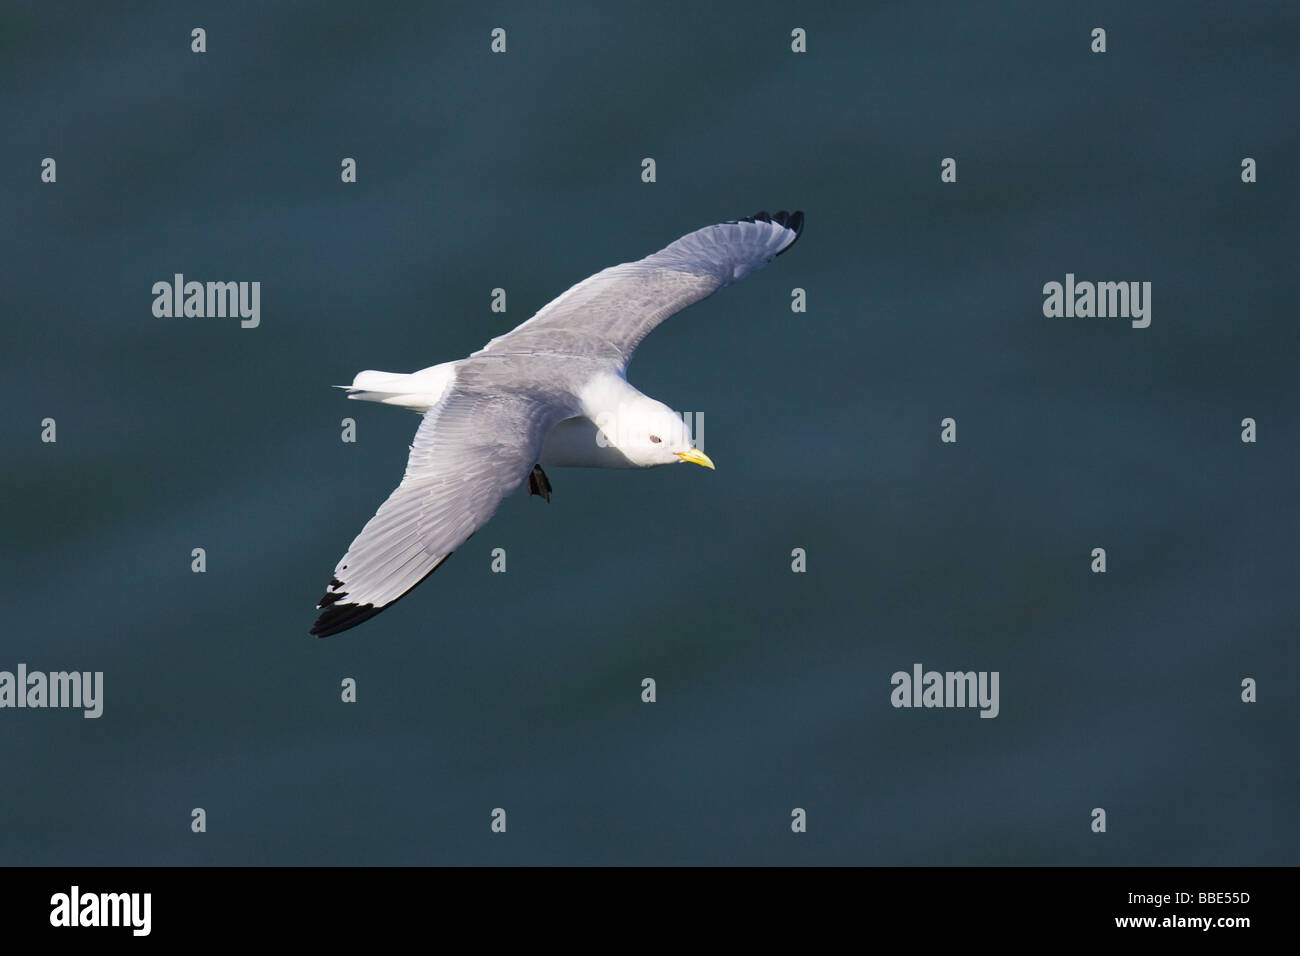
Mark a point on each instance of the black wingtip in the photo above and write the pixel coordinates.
(336, 618)
(790, 220)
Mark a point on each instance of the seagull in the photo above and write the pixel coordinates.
(552, 392)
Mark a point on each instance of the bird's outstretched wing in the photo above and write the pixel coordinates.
(608, 314)
(470, 451)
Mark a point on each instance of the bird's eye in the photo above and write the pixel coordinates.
(656, 439)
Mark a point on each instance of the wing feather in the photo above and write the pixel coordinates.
(609, 313)
(470, 451)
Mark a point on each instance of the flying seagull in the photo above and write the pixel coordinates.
(551, 392)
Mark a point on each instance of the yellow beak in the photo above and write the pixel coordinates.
(695, 457)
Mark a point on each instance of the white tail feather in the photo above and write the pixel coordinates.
(419, 390)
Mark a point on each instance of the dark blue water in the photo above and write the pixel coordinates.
(522, 690)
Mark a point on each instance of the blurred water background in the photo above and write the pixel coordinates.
(522, 690)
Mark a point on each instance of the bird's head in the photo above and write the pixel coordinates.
(649, 433)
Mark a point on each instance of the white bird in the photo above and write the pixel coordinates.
(551, 392)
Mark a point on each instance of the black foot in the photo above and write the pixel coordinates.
(538, 483)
